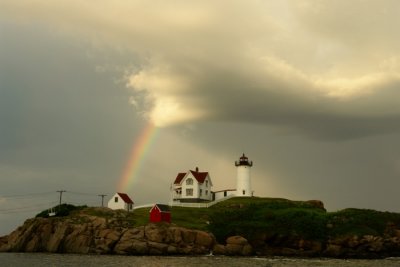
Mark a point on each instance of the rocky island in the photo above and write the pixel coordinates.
(238, 226)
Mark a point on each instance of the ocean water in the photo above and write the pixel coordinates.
(42, 259)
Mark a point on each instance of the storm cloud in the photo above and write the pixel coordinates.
(327, 69)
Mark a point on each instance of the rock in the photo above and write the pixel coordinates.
(237, 245)
(353, 242)
(98, 222)
(187, 250)
(155, 233)
(333, 250)
(4, 247)
(123, 248)
(316, 247)
(233, 249)
(60, 231)
(375, 243)
(188, 236)
(135, 233)
(90, 234)
(172, 250)
(247, 250)
(176, 235)
(236, 240)
(218, 249)
(289, 252)
(33, 244)
(204, 239)
(157, 248)
(77, 243)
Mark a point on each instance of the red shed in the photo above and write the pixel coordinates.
(160, 213)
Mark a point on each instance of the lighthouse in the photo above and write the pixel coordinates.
(243, 183)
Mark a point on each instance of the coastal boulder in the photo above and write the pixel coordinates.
(204, 239)
(238, 245)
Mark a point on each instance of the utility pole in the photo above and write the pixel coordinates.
(61, 191)
(102, 199)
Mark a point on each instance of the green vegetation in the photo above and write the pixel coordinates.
(273, 216)
(60, 210)
(252, 217)
(361, 222)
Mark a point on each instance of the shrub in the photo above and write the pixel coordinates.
(60, 210)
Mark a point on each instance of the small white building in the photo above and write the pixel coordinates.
(120, 201)
(192, 187)
(224, 193)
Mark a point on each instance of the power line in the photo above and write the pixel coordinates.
(22, 196)
(24, 208)
(80, 193)
(84, 199)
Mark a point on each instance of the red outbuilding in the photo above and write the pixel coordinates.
(160, 213)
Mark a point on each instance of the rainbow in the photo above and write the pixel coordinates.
(138, 153)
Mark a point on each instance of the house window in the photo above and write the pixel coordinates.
(201, 192)
(225, 193)
(189, 192)
(244, 192)
(206, 192)
(116, 199)
(206, 183)
(189, 181)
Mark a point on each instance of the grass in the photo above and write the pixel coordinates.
(251, 217)
(361, 222)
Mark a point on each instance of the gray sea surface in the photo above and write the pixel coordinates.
(42, 259)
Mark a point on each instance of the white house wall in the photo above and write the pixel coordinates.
(220, 194)
(196, 186)
(204, 188)
(116, 205)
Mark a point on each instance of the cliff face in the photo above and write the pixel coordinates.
(90, 234)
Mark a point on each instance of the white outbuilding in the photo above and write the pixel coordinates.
(120, 201)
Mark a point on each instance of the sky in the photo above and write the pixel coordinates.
(308, 89)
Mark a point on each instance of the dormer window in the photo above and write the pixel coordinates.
(189, 181)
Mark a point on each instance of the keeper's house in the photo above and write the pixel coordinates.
(192, 187)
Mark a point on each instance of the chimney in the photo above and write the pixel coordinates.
(197, 169)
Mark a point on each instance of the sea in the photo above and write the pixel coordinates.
(43, 259)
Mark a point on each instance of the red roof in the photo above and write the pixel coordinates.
(200, 176)
(179, 177)
(125, 198)
(161, 208)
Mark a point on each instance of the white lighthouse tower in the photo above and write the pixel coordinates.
(243, 183)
